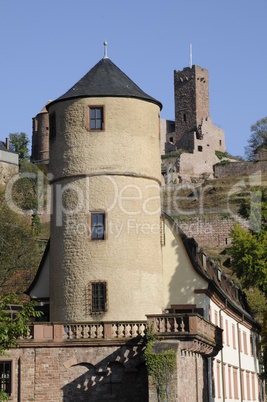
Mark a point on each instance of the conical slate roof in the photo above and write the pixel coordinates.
(105, 79)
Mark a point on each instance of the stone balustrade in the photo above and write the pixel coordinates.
(193, 331)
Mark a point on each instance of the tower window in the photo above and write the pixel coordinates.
(5, 377)
(96, 118)
(52, 125)
(35, 152)
(98, 297)
(220, 142)
(98, 225)
(184, 117)
(199, 148)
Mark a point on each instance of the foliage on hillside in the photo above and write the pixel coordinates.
(249, 259)
(20, 251)
(257, 141)
(30, 189)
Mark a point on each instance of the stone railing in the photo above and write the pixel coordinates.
(85, 331)
(193, 331)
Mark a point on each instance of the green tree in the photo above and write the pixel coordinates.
(20, 252)
(258, 139)
(11, 329)
(19, 143)
(249, 259)
(30, 189)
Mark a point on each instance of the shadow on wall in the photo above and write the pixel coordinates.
(121, 376)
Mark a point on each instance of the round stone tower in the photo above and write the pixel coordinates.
(105, 252)
(40, 136)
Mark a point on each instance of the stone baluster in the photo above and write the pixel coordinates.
(175, 324)
(114, 331)
(100, 333)
(128, 330)
(182, 325)
(168, 324)
(162, 325)
(120, 331)
(93, 332)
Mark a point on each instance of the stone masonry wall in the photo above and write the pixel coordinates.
(99, 372)
(192, 377)
(210, 231)
(244, 168)
(191, 89)
(79, 373)
(7, 171)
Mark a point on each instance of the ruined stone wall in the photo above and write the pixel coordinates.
(7, 171)
(244, 168)
(211, 231)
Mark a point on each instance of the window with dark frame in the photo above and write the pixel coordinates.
(99, 297)
(96, 118)
(52, 125)
(5, 377)
(97, 225)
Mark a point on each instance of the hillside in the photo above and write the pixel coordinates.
(219, 196)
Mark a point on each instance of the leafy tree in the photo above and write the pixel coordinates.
(19, 143)
(258, 139)
(30, 188)
(20, 252)
(11, 329)
(249, 260)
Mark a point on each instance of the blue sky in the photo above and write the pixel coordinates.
(47, 46)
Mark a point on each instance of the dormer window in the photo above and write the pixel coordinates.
(96, 118)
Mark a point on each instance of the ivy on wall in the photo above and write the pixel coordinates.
(160, 366)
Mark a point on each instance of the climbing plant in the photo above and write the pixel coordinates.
(3, 396)
(160, 366)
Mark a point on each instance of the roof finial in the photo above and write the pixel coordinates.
(105, 49)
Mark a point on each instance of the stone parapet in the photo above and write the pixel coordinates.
(195, 333)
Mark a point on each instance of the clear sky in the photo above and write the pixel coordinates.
(47, 46)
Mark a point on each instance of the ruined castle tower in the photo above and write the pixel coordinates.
(105, 252)
(191, 91)
(40, 136)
